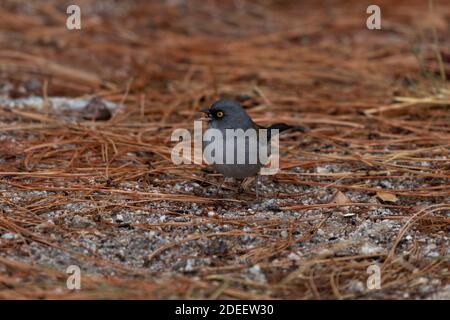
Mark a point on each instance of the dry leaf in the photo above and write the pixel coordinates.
(340, 198)
(388, 197)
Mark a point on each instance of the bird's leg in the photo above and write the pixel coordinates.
(240, 188)
(256, 186)
(219, 188)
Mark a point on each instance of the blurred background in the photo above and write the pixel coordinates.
(190, 49)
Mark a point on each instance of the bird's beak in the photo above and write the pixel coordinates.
(208, 114)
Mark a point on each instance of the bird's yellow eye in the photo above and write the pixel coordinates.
(219, 114)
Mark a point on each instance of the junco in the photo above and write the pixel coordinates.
(227, 114)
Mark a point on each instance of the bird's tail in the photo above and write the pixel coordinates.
(280, 126)
(283, 127)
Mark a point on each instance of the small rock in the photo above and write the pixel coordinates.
(81, 222)
(96, 110)
(9, 236)
(211, 214)
(368, 248)
(189, 265)
(322, 170)
(356, 286)
(257, 273)
(348, 215)
(431, 251)
(47, 225)
(325, 252)
(293, 256)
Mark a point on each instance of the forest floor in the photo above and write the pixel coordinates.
(91, 183)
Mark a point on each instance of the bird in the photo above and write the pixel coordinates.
(228, 114)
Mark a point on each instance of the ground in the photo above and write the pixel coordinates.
(364, 191)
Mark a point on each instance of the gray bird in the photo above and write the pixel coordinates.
(227, 114)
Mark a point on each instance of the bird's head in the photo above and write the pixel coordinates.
(227, 114)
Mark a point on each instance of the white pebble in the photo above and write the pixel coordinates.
(320, 232)
(294, 257)
(9, 236)
(211, 214)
